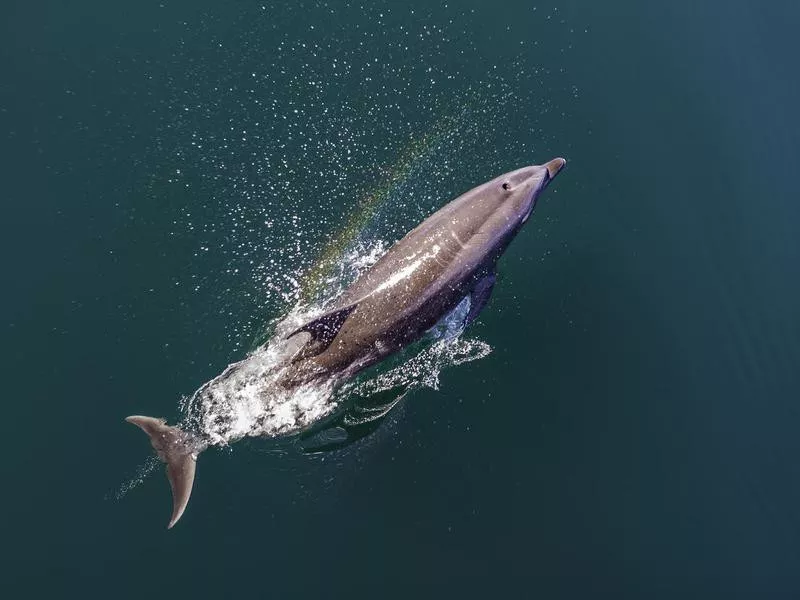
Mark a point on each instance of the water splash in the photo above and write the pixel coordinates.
(142, 472)
(245, 400)
(282, 161)
(442, 347)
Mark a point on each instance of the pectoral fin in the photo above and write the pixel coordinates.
(479, 297)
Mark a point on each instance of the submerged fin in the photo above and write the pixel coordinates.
(479, 297)
(173, 447)
(363, 418)
(324, 329)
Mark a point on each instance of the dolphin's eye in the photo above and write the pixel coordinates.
(506, 186)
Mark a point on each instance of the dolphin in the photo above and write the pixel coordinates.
(420, 279)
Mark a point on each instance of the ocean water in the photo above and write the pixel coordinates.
(622, 421)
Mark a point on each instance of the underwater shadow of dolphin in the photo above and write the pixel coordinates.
(450, 255)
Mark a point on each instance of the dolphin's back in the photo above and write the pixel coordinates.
(444, 235)
(417, 281)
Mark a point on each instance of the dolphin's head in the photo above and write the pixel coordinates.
(490, 215)
(520, 189)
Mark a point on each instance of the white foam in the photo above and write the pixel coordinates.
(245, 400)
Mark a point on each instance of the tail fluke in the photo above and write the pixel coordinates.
(174, 447)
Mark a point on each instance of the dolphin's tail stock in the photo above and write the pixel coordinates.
(179, 450)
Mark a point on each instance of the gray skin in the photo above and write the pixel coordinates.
(448, 256)
(421, 278)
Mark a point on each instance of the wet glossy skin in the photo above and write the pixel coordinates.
(425, 274)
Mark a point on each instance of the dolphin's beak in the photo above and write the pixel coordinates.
(554, 166)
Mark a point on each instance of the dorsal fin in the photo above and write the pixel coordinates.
(323, 329)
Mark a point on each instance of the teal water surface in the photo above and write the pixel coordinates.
(171, 169)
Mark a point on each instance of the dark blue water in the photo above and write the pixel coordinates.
(170, 171)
